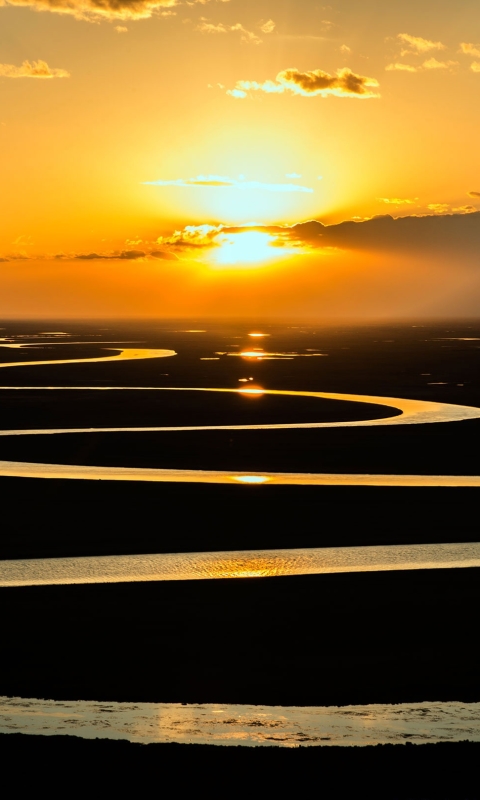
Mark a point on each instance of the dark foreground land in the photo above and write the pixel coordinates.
(302, 640)
(386, 771)
(312, 640)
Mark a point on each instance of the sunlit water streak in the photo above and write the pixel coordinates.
(226, 724)
(409, 412)
(236, 564)
(125, 354)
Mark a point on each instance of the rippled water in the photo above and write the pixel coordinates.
(285, 726)
(237, 564)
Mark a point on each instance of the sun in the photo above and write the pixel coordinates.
(244, 249)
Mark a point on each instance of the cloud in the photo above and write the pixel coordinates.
(36, 69)
(401, 68)
(121, 29)
(437, 234)
(470, 49)
(192, 236)
(246, 36)
(397, 201)
(419, 45)
(95, 10)
(474, 194)
(223, 181)
(475, 66)
(345, 49)
(293, 175)
(268, 26)
(165, 255)
(430, 63)
(464, 210)
(20, 255)
(454, 232)
(124, 255)
(344, 83)
(24, 240)
(438, 208)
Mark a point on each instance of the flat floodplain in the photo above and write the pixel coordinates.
(300, 640)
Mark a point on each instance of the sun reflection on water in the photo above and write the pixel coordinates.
(251, 478)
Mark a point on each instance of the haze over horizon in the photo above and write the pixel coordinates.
(232, 158)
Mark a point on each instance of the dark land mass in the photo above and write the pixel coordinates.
(312, 640)
(50, 518)
(53, 518)
(387, 637)
(441, 771)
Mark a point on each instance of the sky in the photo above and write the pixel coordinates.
(181, 158)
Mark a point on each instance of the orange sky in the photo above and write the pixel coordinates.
(156, 157)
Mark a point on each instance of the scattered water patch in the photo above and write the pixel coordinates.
(225, 724)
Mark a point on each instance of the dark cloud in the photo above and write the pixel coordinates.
(164, 255)
(315, 82)
(434, 234)
(344, 83)
(452, 232)
(474, 194)
(92, 10)
(125, 255)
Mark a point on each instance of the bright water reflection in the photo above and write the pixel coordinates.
(409, 412)
(237, 564)
(285, 726)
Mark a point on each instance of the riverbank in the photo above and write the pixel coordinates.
(297, 640)
(393, 771)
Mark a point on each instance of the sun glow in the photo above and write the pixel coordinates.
(251, 391)
(251, 478)
(244, 249)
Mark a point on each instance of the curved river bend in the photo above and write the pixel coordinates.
(411, 412)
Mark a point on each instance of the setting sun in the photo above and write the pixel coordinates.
(244, 249)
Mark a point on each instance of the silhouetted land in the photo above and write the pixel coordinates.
(300, 640)
(387, 637)
(437, 771)
(51, 518)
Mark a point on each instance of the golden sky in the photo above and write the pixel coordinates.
(159, 158)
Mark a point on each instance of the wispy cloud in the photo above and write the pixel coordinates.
(95, 10)
(475, 66)
(121, 29)
(225, 182)
(397, 201)
(245, 35)
(123, 255)
(438, 208)
(344, 83)
(431, 63)
(398, 67)
(293, 175)
(474, 194)
(34, 69)
(470, 49)
(268, 26)
(417, 44)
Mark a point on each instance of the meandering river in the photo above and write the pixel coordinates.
(410, 412)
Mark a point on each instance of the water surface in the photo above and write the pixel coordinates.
(225, 724)
(236, 564)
